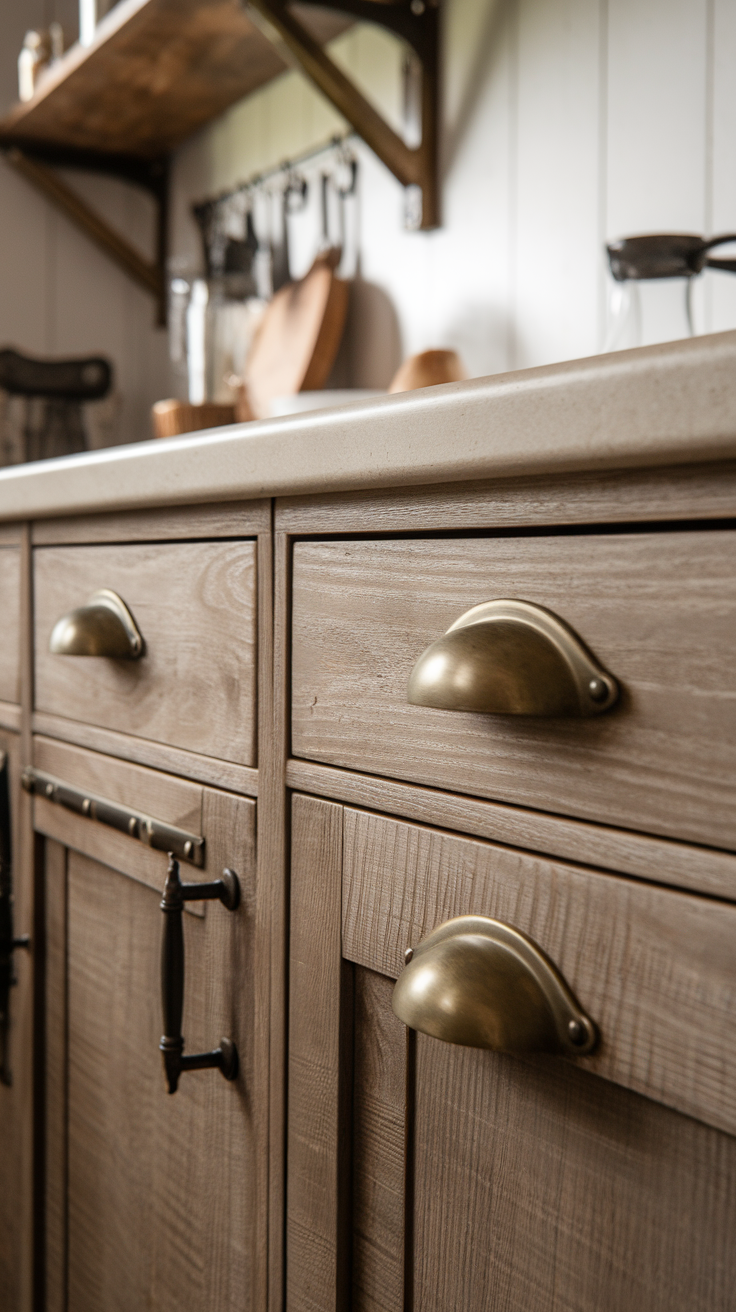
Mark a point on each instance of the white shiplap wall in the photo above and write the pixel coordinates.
(564, 122)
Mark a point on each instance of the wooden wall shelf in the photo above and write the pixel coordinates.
(158, 70)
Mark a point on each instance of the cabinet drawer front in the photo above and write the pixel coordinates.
(658, 610)
(655, 969)
(10, 628)
(195, 605)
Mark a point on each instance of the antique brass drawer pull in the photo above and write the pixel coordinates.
(511, 658)
(483, 984)
(225, 1057)
(104, 627)
(154, 833)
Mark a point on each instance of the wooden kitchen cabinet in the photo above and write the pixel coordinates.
(354, 1162)
(150, 1198)
(16, 1032)
(426, 1175)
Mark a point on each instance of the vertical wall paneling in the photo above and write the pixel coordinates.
(564, 122)
(721, 287)
(556, 178)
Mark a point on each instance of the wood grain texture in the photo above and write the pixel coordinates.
(273, 874)
(232, 519)
(654, 968)
(10, 716)
(542, 1189)
(317, 988)
(379, 1126)
(155, 73)
(29, 894)
(167, 1182)
(701, 869)
(268, 913)
(17, 1101)
(10, 608)
(172, 760)
(195, 604)
(56, 1081)
(175, 801)
(658, 609)
(700, 491)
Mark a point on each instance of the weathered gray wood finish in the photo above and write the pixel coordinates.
(658, 609)
(658, 860)
(235, 519)
(10, 605)
(191, 765)
(653, 967)
(320, 997)
(16, 1100)
(482, 1180)
(195, 604)
(159, 1199)
(594, 497)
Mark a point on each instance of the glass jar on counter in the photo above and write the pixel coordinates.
(653, 278)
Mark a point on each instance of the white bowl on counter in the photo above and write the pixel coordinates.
(324, 400)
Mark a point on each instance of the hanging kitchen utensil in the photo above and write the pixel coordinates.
(293, 200)
(298, 337)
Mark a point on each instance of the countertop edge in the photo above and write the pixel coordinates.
(660, 405)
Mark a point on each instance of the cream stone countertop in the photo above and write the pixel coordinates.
(659, 405)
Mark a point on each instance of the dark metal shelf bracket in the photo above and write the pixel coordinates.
(39, 164)
(416, 23)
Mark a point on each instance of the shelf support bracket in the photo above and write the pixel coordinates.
(149, 276)
(417, 24)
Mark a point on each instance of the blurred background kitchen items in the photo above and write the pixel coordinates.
(653, 278)
(90, 13)
(428, 369)
(304, 402)
(299, 336)
(38, 52)
(41, 404)
(172, 418)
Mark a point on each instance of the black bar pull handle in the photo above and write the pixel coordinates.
(225, 1057)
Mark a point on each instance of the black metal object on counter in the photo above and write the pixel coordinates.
(667, 255)
(54, 391)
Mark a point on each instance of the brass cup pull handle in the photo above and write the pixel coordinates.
(225, 1057)
(104, 627)
(483, 984)
(508, 657)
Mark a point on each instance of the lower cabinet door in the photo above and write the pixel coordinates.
(150, 1196)
(430, 1176)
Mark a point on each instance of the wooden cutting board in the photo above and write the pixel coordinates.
(298, 337)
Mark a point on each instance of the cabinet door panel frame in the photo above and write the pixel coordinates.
(469, 1178)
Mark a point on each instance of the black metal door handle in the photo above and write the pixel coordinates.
(225, 1057)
